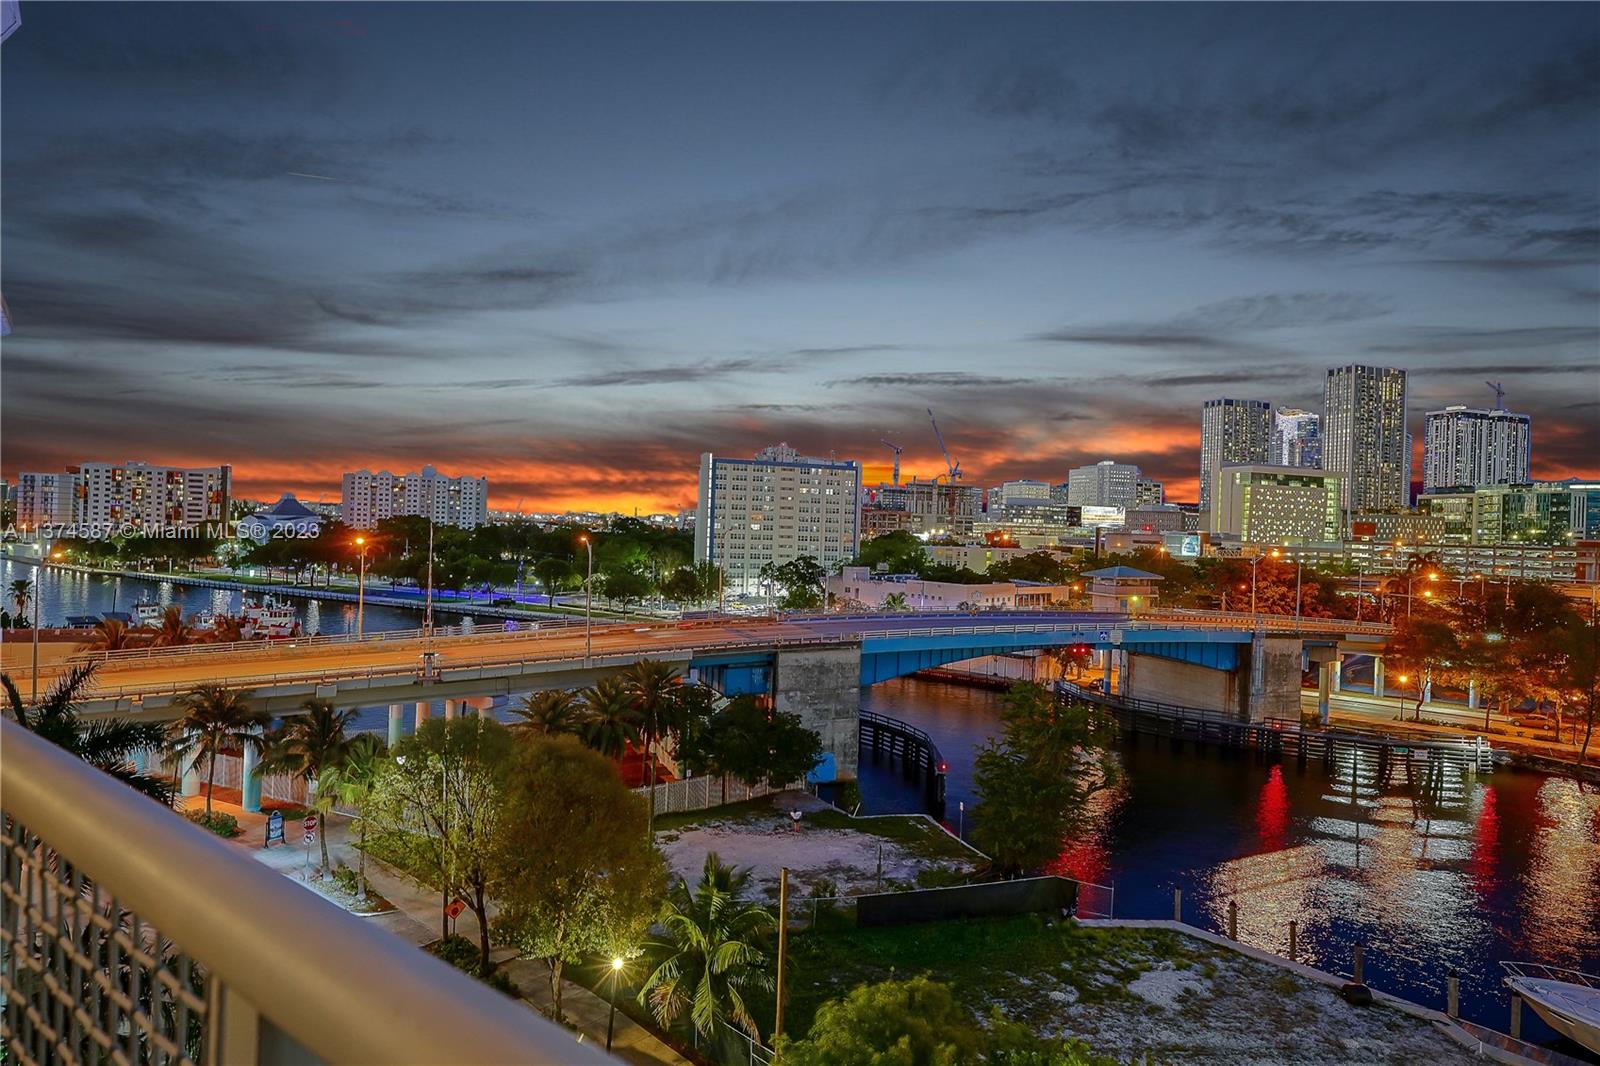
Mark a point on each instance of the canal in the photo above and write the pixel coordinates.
(1502, 866)
(71, 592)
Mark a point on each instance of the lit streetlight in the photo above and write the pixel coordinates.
(588, 598)
(1400, 696)
(361, 589)
(611, 1020)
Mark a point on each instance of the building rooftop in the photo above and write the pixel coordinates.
(1114, 573)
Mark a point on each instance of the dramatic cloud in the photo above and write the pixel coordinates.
(572, 248)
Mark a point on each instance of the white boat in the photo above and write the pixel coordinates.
(203, 620)
(268, 619)
(1567, 1000)
(148, 614)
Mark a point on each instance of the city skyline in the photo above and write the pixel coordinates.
(259, 236)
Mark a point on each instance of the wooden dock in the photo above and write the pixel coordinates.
(882, 737)
(1284, 738)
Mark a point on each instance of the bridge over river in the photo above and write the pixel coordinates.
(812, 665)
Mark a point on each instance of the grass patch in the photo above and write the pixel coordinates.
(980, 958)
(746, 811)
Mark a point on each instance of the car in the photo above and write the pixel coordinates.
(503, 601)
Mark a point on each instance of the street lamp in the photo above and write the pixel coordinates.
(1254, 563)
(1400, 696)
(611, 1020)
(361, 589)
(588, 597)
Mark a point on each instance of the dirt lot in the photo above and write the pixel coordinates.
(830, 852)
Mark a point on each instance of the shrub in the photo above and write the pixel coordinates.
(458, 951)
(347, 880)
(847, 796)
(462, 953)
(224, 825)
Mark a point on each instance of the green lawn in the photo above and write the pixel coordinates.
(981, 959)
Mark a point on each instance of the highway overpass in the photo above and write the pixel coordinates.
(812, 665)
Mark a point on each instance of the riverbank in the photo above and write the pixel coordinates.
(1139, 991)
(344, 591)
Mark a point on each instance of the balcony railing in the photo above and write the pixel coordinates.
(129, 936)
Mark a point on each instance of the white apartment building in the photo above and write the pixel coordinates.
(1276, 505)
(1105, 484)
(1466, 448)
(775, 508)
(45, 499)
(102, 496)
(1298, 438)
(1232, 432)
(369, 498)
(1364, 438)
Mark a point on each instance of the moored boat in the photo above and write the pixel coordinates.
(1567, 1000)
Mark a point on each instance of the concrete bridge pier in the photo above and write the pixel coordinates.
(1377, 676)
(397, 713)
(424, 711)
(823, 686)
(1328, 664)
(1472, 695)
(1274, 677)
(1105, 672)
(480, 705)
(451, 707)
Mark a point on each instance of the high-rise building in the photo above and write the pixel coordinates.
(1232, 432)
(923, 507)
(369, 498)
(1104, 484)
(126, 496)
(45, 499)
(1464, 447)
(1011, 491)
(1298, 438)
(775, 508)
(1364, 438)
(151, 497)
(1552, 512)
(1147, 492)
(1277, 505)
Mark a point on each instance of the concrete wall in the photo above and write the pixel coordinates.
(1151, 677)
(823, 686)
(1274, 677)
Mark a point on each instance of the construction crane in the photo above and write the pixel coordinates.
(951, 465)
(1499, 395)
(953, 468)
(897, 450)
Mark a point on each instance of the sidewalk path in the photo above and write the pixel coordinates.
(416, 918)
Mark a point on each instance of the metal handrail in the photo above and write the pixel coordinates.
(1541, 971)
(345, 990)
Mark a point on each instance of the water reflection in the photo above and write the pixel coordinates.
(1434, 871)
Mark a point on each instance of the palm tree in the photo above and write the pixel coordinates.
(610, 722)
(21, 593)
(713, 952)
(214, 718)
(111, 634)
(172, 631)
(107, 744)
(305, 747)
(352, 781)
(227, 629)
(554, 712)
(652, 688)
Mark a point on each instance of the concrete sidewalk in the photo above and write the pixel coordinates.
(417, 918)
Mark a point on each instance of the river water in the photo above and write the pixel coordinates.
(71, 592)
(1498, 866)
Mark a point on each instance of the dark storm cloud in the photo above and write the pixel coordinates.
(932, 380)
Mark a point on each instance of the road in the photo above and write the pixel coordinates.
(174, 669)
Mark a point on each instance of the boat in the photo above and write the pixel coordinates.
(1567, 1000)
(148, 614)
(268, 619)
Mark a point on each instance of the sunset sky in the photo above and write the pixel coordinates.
(571, 247)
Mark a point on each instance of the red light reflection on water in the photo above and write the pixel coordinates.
(1272, 812)
(1485, 841)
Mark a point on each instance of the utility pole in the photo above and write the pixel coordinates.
(783, 946)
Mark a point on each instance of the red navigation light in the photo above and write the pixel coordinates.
(944, 767)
